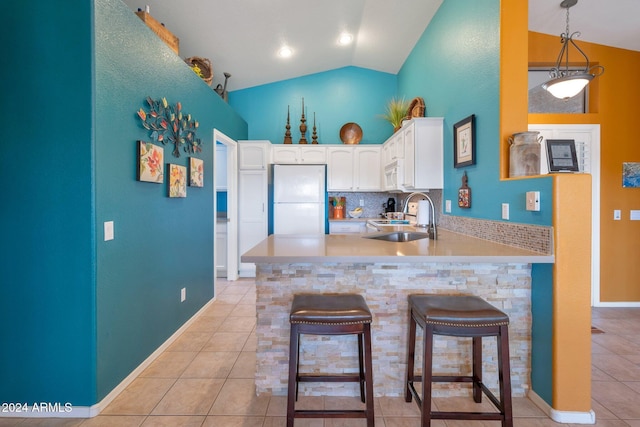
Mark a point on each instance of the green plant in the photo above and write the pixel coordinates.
(396, 111)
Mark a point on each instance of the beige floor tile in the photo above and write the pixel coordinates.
(189, 397)
(140, 397)
(248, 310)
(114, 421)
(50, 422)
(277, 406)
(252, 343)
(226, 341)
(245, 366)
(616, 366)
(523, 407)
(238, 288)
(465, 404)
(208, 324)
(218, 310)
(397, 407)
(238, 324)
(209, 364)
(248, 299)
(190, 341)
(617, 398)
(601, 423)
(601, 412)
(238, 397)
(235, 421)
(600, 375)
(170, 364)
(616, 344)
(229, 298)
(174, 421)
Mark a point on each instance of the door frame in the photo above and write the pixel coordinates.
(564, 131)
(232, 203)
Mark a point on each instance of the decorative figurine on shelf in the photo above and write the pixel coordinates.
(287, 134)
(314, 135)
(464, 193)
(303, 127)
(222, 91)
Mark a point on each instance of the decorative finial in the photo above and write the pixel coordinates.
(314, 135)
(287, 134)
(303, 127)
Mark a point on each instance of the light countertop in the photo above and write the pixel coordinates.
(331, 248)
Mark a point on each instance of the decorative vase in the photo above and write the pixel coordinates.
(338, 212)
(524, 154)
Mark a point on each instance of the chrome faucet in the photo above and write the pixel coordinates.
(432, 230)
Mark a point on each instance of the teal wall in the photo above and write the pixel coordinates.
(349, 94)
(47, 267)
(79, 314)
(455, 67)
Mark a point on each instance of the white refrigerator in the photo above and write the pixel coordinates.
(299, 199)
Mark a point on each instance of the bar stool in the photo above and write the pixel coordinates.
(331, 314)
(458, 316)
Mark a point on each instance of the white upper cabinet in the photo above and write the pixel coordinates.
(298, 154)
(423, 154)
(353, 168)
(253, 155)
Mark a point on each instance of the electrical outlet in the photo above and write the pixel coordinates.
(505, 211)
(183, 294)
(108, 231)
(447, 206)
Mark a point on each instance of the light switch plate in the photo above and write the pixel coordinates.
(634, 215)
(447, 206)
(505, 211)
(617, 214)
(108, 231)
(533, 201)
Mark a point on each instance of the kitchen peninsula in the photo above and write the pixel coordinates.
(385, 273)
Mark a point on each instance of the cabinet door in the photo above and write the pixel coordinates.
(221, 249)
(428, 151)
(252, 214)
(367, 169)
(408, 180)
(285, 154)
(347, 227)
(221, 167)
(313, 155)
(340, 169)
(252, 155)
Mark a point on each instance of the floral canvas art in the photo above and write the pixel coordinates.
(150, 162)
(177, 181)
(196, 172)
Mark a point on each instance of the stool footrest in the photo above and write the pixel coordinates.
(330, 413)
(334, 378)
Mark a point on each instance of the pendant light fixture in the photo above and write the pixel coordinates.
(565, 83)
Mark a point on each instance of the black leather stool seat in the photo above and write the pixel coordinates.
(465, 311)
(458, 316)
(330, 309)
(331, 314)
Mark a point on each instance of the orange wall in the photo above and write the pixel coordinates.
(615, 105)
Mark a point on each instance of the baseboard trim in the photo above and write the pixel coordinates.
(52, 410)
(625, 304)
(563, 417)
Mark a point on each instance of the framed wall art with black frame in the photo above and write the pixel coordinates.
(464, 142)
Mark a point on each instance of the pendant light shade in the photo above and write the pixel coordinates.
(566, 83)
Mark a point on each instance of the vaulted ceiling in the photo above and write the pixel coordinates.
(242, 37)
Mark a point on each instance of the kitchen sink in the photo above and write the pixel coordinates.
(399, 236)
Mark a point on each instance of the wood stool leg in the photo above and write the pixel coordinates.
(293, 374)
(477, 368)
(361, 366)
(427, 372)
(411, 355)
(368, 370)
(504, 376)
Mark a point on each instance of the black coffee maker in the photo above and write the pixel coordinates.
(391, 205)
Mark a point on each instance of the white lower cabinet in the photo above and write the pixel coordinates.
(353, 168)
(347, 227)
(221, 248)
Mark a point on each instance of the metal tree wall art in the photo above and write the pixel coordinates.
(167, 123)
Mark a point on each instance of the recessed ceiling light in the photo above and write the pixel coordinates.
(345, 39)
(285, 52)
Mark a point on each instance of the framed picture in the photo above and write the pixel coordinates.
(196, 172)
(561, 155)
(631, 175)
(464, 143)
(150, 162)
(177, 181)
